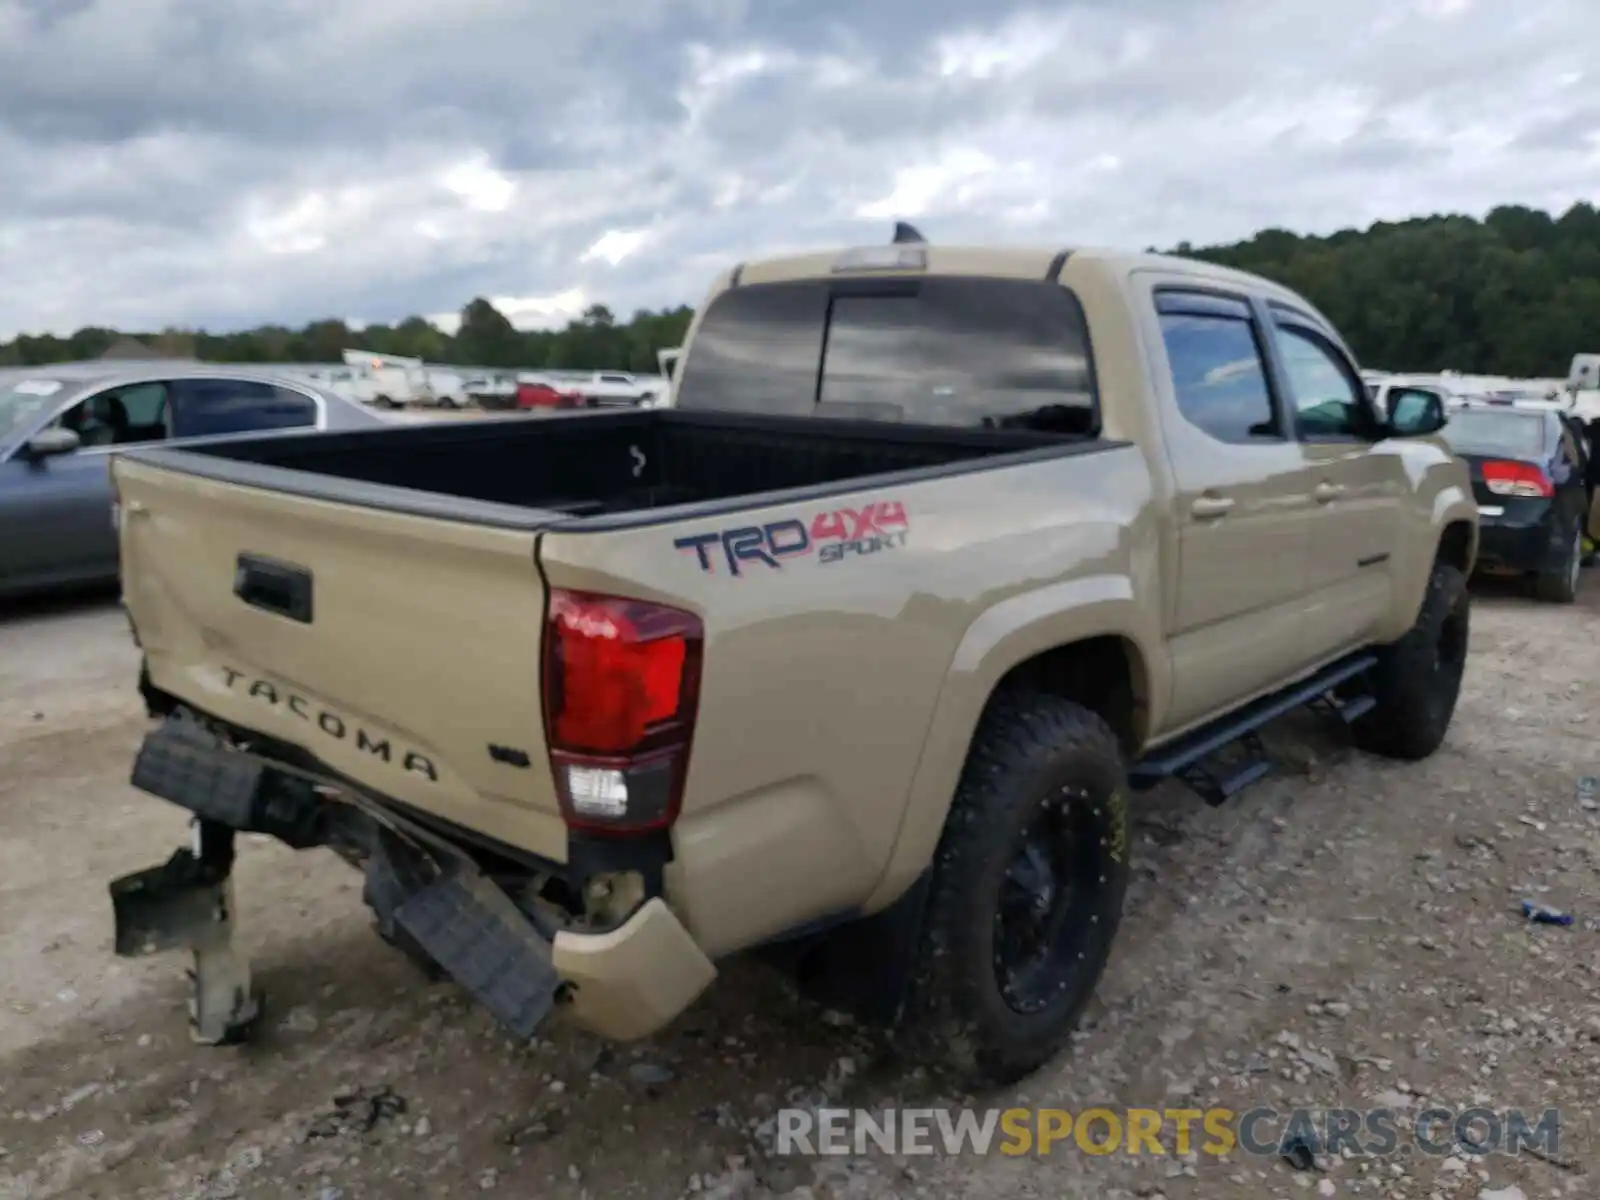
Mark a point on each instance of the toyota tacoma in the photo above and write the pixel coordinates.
(850, 658)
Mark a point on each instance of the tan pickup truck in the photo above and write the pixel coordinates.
(850, 657)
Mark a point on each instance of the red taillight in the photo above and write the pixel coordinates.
(1517, 479)
(621, 686)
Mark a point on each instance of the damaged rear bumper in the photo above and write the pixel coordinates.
(625, 982)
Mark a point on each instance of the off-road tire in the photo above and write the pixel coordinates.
(1559, 584)
(1035, 758)
(1418, 678)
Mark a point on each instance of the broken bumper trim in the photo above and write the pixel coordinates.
(637, 978)
(624, 983)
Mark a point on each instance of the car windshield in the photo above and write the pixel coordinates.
(22, 401)
(1479, 431)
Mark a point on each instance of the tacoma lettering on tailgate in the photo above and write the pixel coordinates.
(833, 536)
(329, 723)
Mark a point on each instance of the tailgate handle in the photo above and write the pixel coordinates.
(274, 586)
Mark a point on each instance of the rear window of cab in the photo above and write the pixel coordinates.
(942, 350)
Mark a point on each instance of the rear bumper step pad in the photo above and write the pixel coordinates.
(473, 930)
(456, 914)
(188, 765)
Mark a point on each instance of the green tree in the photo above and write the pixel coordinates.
(487, 337)
(1510, 294)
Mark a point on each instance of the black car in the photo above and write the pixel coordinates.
(1534, 476)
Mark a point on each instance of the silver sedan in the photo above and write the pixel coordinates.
(59, 424)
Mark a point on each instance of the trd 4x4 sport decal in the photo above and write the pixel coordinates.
(833, 536)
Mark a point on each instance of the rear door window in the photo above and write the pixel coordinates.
(940, 351)
(204, 407)
(1218, 374)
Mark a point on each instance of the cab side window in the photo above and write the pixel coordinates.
(1330, 403)
(1218, 370)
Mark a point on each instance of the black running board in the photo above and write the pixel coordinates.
(1185, 758)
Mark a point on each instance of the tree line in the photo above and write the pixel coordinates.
(485, 338)
(1517, 293)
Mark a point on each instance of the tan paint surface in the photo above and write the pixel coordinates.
(426, 635)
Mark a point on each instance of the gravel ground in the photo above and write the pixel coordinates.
(1346, 933)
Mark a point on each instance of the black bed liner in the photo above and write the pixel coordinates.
(604, 470)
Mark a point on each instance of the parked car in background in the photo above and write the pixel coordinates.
(59, 424)
(386, 380)
(537, 392)
(491, 391)
(604, 389)
(1584, 373)
(441, 388)
(667, 360)
(1534, 478)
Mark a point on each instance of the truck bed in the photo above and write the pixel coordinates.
(601, 468)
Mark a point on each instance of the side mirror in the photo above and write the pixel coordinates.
(1415, 412)
(49, 443)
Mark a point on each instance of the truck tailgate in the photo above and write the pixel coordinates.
(401, 651)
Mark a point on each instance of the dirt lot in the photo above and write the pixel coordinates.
(1345, 933)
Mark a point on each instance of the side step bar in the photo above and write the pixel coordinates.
(1186, 757)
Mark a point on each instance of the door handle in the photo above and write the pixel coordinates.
(1211, 506)
(1327, 493)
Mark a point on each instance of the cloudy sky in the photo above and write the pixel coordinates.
(196, 162)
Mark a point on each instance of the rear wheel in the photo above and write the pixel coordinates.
(1559, 583)
(1418, 678)
(1026, 893)
(448, 402)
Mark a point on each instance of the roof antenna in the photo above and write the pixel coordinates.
(904, 232)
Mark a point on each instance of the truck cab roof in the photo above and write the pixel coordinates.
(922, 259)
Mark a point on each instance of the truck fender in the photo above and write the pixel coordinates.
(1424, 541)
(1010, 633)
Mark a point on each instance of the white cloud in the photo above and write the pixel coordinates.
(542, 312)
(480, 185)
(614, 245)
(918, 190)
(394, 156)
(525, 312)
